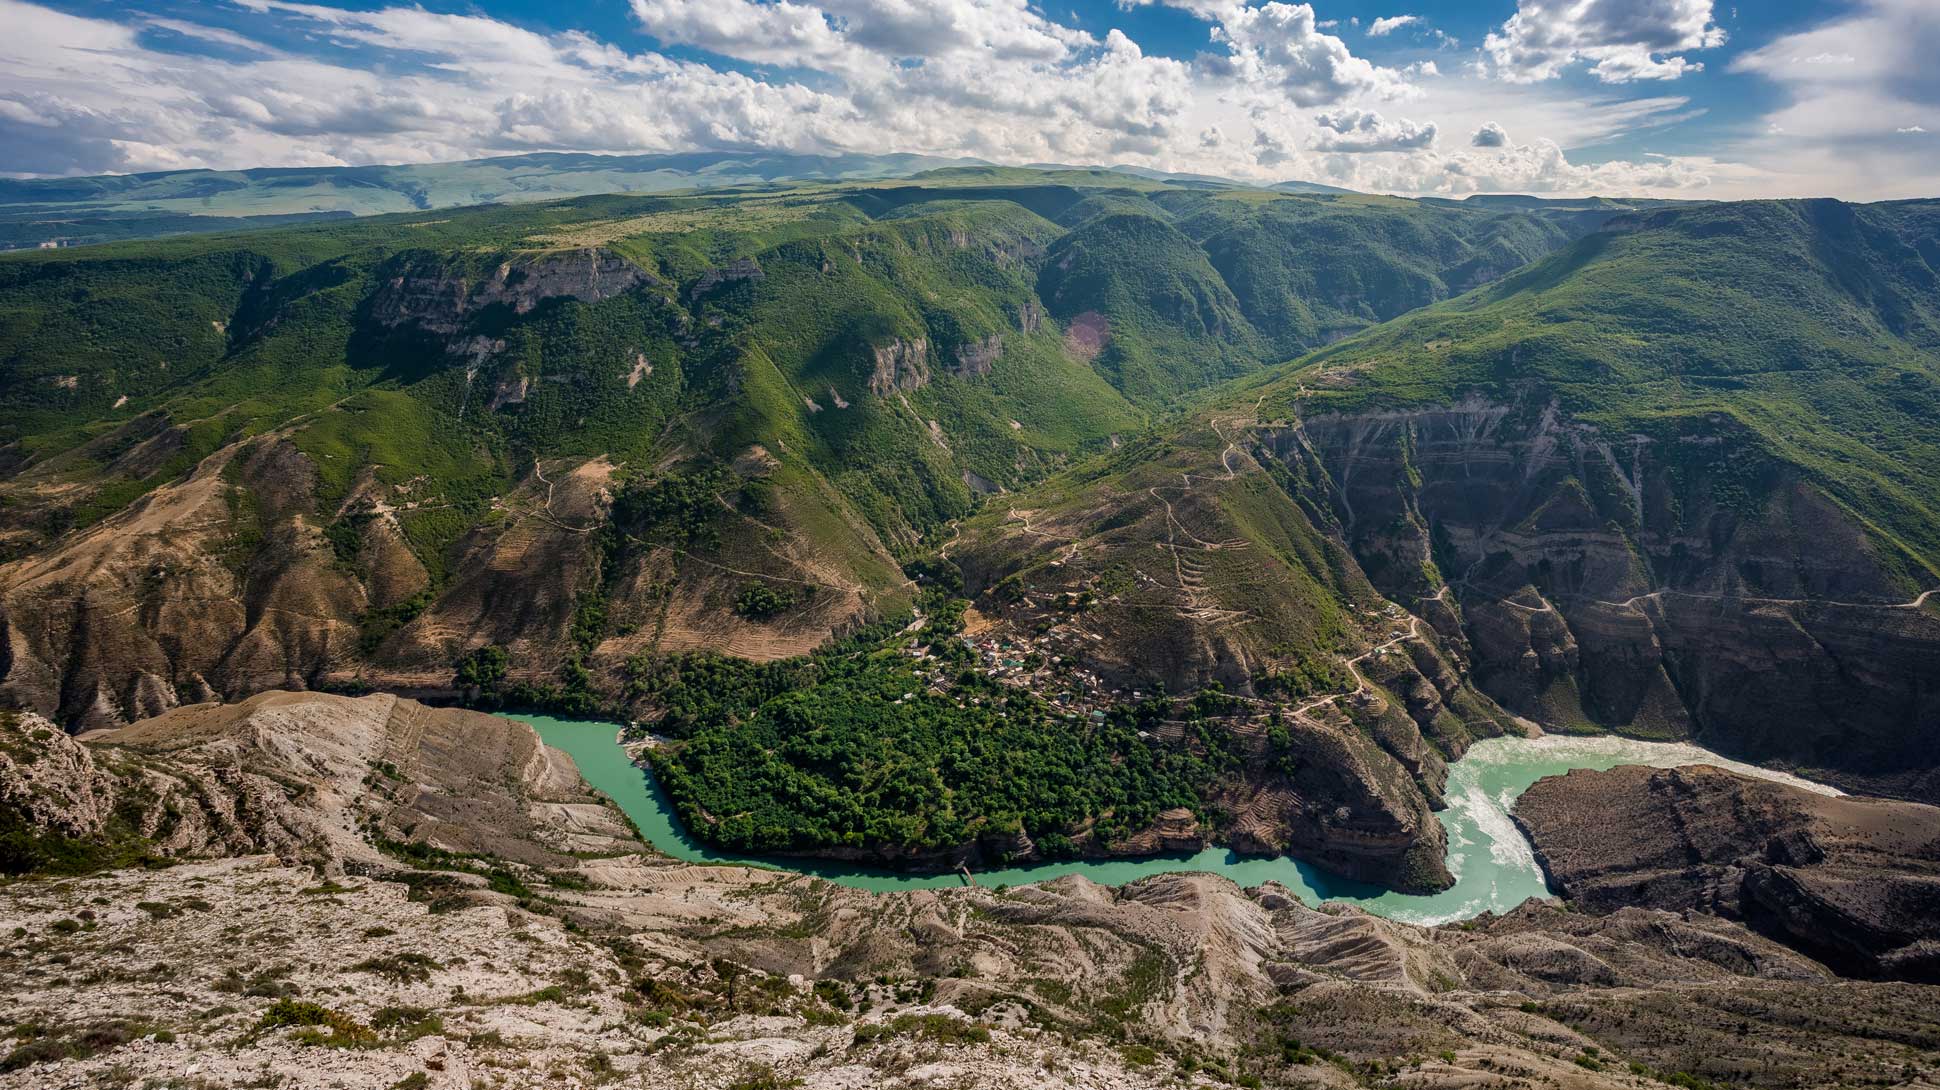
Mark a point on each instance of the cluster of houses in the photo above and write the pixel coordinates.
(1048, 666)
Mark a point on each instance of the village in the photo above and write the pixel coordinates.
(1050, 664)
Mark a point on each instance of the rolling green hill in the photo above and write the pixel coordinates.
(1804, 332)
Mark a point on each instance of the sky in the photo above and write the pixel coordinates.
(1679, 98)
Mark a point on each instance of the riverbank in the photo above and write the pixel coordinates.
(1494, 866)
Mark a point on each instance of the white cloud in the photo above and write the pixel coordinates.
(204, 33)
(1273, 95)
(1367, 131)
(1911, 129)
(1844, 123)
(1490, 135)
(1621, 40)
(1536, 167)
(1279, 48)
(781, 32)
(1386, 25)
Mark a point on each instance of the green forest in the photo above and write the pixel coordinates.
(851, 748)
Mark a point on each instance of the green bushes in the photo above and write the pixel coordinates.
(1307, 677)
(40, 1044)
(940, 1028)
(482, 670)
(680, 509)
(759, 601)
(852, 748)
(316, 1024)
(404, 968)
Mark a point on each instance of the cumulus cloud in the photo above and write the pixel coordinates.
(1621, 40)
(859, 35)
(1537, 167)
(1386, 25)
(768, 33)
(1271, 149)
(1273, 95)
(1280, 47)
(1490, 135)
(1367, 131)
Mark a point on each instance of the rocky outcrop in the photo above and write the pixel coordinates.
(1854, 882)
(51, 781)
(1030, 315)
(976, 358)
(743, 269)
(1175, 830)
(1346, 805)
(310, 777)
(437, 298)
(441, 298)
(900, 365)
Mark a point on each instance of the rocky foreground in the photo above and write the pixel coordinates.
(319, 891)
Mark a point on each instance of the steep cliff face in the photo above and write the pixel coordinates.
(1855, 882)
(1678, 584)
(306, 777)
(437, 297)
(900, 365)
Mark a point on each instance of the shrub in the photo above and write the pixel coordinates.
(404, 968)
(316, 1024)
(759, 601)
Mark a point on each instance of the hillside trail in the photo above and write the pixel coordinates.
(1024, 519)
(1362, 684)
(1189, 572)
(546, 515)
(1631, 603)
(770, 576)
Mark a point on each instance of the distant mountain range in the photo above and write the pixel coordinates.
(71, 211)
(58, 212)
(54, 212)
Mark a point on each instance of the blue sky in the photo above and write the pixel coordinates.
(1668, 97)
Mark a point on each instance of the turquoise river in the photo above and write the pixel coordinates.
(1493, 865)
